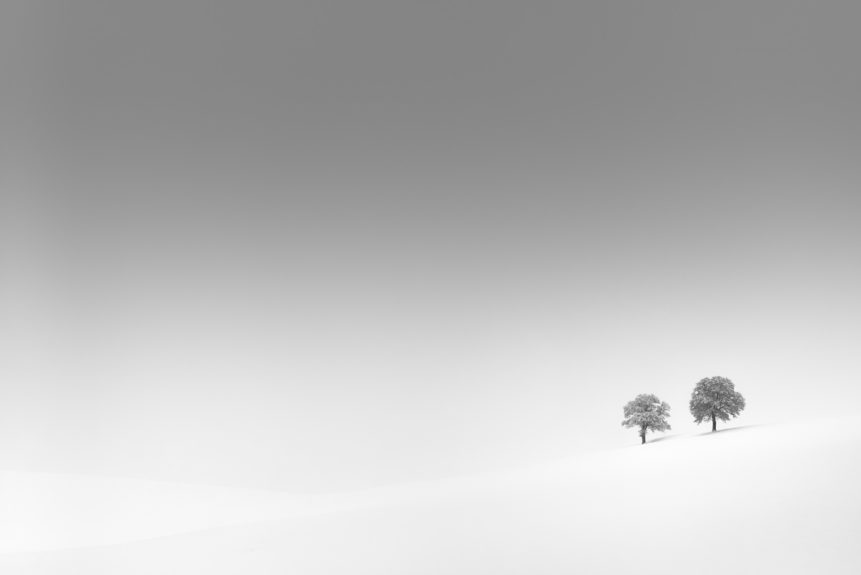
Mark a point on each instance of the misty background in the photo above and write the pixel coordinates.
(332, 245)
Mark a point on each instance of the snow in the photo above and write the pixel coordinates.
(780, 498)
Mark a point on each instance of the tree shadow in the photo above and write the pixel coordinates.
(728, 429)
(704, 433)
(664, 438)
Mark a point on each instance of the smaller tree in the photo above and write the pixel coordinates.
(647, 413)
(715, 398)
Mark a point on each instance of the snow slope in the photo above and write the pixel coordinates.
(764, 499)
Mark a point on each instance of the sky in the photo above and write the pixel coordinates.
(330, 245)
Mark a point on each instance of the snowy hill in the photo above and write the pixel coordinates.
(762, 499)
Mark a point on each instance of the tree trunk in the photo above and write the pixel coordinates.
(714, 422)
(643, 437)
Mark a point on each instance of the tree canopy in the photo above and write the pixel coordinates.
(647, 413)
(715, 398)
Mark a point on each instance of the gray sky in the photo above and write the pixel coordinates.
(335, 244)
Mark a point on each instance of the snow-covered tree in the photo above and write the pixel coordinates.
(647, 413)
(715, 398)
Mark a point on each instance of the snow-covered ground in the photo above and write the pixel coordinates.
(759, 499)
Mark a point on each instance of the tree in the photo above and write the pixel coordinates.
(715, 398)
(646, 412)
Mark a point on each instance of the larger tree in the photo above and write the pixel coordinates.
(647, 413)
(715, 398)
